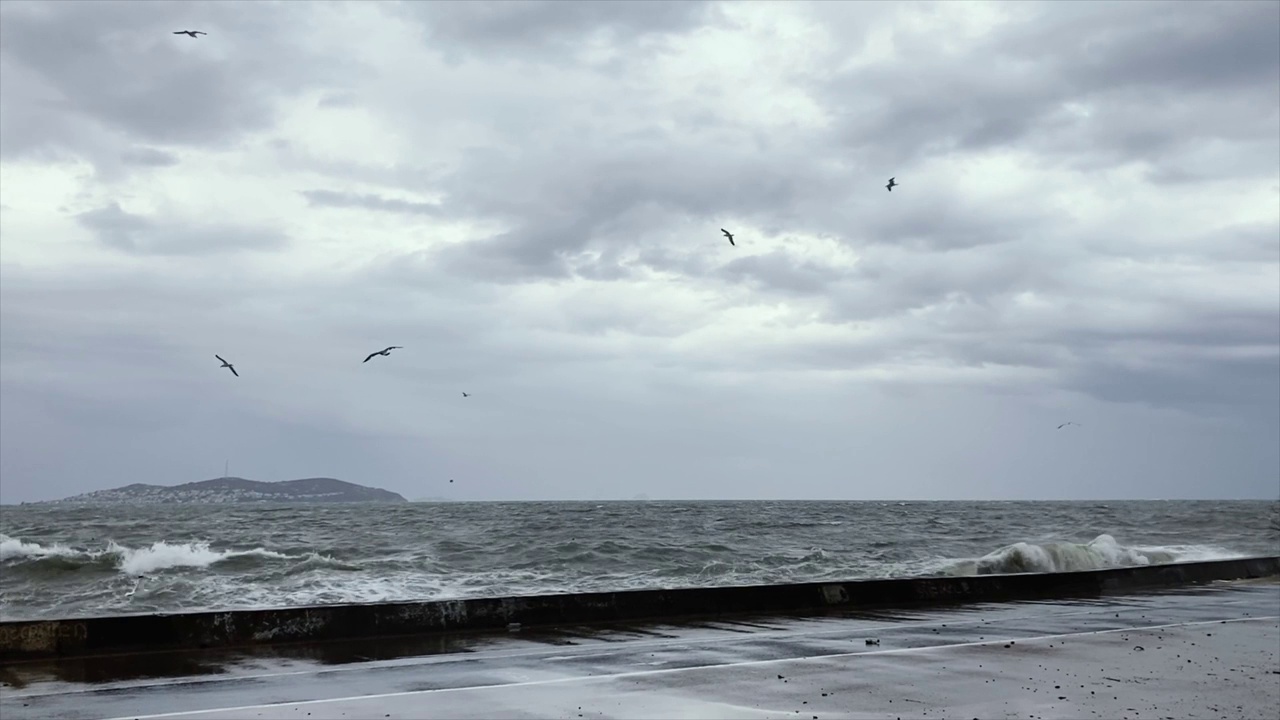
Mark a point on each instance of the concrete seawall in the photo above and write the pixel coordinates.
(23, 640)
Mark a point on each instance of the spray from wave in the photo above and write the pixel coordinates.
(1097, 554)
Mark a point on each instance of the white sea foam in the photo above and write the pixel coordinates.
(158, 556)
(1101, 552)
(13, 548)
(162, 555)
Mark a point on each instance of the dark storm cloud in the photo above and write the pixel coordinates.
(142, 235)
(331, 198)
(579, 285)
(1152, 82)
(78, 75)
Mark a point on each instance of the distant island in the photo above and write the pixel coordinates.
(237, 490)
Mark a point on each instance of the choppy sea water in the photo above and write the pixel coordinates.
(66, 561)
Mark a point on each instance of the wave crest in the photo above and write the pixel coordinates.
(13, 548)
(145, 560)
(1099, 553)
(162, 556)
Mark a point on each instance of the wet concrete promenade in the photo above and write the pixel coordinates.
(1205, 652)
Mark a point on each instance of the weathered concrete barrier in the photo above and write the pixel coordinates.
(191, 630)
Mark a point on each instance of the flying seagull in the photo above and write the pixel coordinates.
(1068, 423)
(227, 365)
(728, 235)
(465, 394)
(192, 33)
(891, 184)
(386, 352)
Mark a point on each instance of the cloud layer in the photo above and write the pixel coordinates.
(528, 197)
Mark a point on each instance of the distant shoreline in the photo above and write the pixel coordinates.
(234, 490)
(75, 501)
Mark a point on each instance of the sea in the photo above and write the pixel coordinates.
(67, 561)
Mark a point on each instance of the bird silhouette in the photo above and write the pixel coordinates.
(466, 394)
(386, 353)
(729, 235)
(1068, 423)
(891, 185)
(227, 365)
(192, 33)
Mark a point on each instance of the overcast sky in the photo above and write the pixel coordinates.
(528, 197)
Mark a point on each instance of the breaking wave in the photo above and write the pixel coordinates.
(706, 568)
(157, 557)
(1099, 553)
(166, 558)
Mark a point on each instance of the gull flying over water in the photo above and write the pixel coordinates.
(728, 235)
(227, 365)
(1068, 423)
(386, 352)
(192, 33)
(891, 185)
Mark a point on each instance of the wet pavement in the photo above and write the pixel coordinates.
(1211, 652)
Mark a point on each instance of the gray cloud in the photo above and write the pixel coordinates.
(592, 203)
(945, 108)
(1205, 47)
(949, 223)
(339, 100)
(331, 198)
(1087, 228)
(139, 234)
(527, 29)
(779, 270)
(148, 157)
(1250, 384)
(79, 76)
(1203, 71)
(1247, 242)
